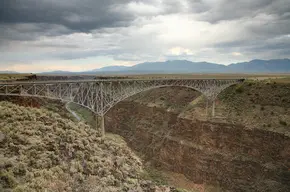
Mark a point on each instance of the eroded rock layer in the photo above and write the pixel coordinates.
(235, 158)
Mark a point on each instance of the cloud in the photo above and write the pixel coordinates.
(224, 10)
(140, 8)
(76, 15)
(236, 54)
(176, 51)
(131, 31)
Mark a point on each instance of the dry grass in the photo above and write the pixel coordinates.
(281, 80)
(41, 151)
(13, 77)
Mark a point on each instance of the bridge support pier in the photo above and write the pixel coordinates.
(206, 110)
(213, 108)
(100, 124)
(209, 102)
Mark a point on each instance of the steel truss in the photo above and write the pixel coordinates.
(101, 95)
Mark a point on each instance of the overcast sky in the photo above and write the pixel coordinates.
(77, 35)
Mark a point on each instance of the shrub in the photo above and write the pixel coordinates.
(8, 180)
(21, 188)
(240, 89)
(54, 153)
(20, 169)
(283, 123)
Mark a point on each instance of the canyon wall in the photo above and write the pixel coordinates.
(235, 158)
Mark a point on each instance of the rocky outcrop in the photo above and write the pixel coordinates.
(235, 158)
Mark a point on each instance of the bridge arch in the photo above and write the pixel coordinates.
(101, 95)
(100, 118)
(148, 89)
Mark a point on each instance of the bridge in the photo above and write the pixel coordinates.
(100, 96)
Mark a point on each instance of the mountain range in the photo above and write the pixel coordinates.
(184, 66)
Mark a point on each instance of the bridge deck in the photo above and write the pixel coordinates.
(115, 80)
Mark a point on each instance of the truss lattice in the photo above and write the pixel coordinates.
(101, 95)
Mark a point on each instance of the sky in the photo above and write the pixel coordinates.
(74, 35)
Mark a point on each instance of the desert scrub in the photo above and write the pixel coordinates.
(41, 151)
(240, 89)
(283, 123)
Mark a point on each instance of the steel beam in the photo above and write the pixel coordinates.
(101, 95)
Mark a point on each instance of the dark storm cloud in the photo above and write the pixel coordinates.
(76, 15)
(262, 19)
(271, 28)
(223, 10)
(30, 31)
(173, 6)
(257, 45)
(111, 26)
(276, 44)
(198, 6)
(29, 19)
(83, 15)
(278, 47)
(266, 24)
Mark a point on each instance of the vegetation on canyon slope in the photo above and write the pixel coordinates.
(262, 104)
(41, 151)
(258, 104)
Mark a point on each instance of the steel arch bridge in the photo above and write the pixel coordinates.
(101, 95)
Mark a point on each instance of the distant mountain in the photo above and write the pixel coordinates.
(261, 66)
(179, 66)
(59, 72)
(111, 68)
(184, 66)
